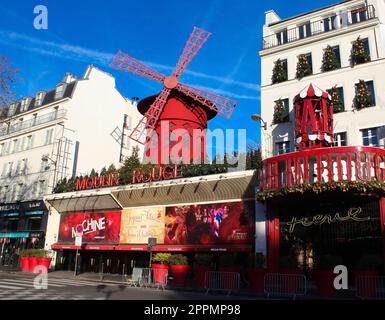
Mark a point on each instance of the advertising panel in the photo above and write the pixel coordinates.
(97, 227)
(139, 224)
(218, 223)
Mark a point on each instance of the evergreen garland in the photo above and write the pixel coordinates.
(373, 186)
(303, 67)
(337, 102)
(329, 60)
(359, 54)
(363, 97)
(279, 72)
(280, 113)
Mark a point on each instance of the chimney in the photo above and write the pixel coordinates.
(68, 78)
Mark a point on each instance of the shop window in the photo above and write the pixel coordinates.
(340, 139)
(370, 137)
(34, 224)
(13, 224)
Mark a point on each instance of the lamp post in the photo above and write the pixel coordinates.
(267, 138)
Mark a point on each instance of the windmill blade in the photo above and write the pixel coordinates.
(123, 61)
(197, 39)
(149, 121)
(223, 106)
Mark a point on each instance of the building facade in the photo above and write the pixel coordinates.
(337, 26)
(54, 135)
(324, 167)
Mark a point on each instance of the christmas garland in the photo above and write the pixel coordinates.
(280, 113)
(372, 186)
(329, 61)
(363, 97)
(336, 101)
(279, 73)
(303, 67)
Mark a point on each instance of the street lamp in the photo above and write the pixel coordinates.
(256, 117)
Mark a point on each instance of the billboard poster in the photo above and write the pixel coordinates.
(98, 227)
(217, 223)
(139, 224)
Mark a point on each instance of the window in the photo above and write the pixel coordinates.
(24, 167)
(13, 224)
(338, 106)
(9, 169)
(283, 147)
(34, 224)
(329, 23)
(370, 137)
(4, 194)
(60, 91)
(44, 164)
(16, 145)
(24, 104)
(12, 109)
(39, 98)
(359, 15)
(304, 30)
(282, 37)
(48, 136)
(285, 116)
(366, 46)
(18, 191)
(29, 142)
(340, 139)
(310, 61)
(370, 85)
(41, 188)
(34, 119)
(336, 50)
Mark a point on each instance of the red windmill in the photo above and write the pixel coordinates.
(182, 106)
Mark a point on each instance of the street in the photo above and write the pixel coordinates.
(61, 286)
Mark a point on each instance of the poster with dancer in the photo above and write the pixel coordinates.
(217, 223)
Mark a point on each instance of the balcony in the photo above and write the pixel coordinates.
(320, 26)
(19, 126)
(336, 167)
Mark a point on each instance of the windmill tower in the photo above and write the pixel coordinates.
(179, 109)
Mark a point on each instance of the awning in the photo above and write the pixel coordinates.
(83, 202)
(58, 246)
(186, 248)
(98, 247)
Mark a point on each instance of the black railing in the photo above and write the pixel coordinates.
(320, 26)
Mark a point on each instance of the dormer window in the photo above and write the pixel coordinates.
(25, 104)
(12, 109)
(60, 88)
(39, 98)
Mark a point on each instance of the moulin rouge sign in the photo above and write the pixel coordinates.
(159, 173)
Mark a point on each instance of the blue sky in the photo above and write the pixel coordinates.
(87, 32)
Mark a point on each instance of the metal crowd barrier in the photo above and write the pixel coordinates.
(370, 287)
(222, 281)
(277, 284)
(122, 276)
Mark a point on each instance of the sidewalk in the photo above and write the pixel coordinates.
(117, 279)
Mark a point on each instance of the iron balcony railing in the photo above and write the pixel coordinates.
(320, 26)
(22, 125)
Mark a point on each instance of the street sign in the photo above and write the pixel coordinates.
(78, 241)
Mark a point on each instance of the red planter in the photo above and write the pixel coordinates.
(324, 280)
(24, 264)
(45, 262)
(33, 262)
(256, 277)
(200, 273)
(179, 273)
(159, 275)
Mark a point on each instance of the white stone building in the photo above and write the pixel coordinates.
(55, 134)
(310, 33)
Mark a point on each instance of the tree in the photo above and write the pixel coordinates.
(329, 60)
(363, 98)
(130, 164)
(358, 53)
(279, 72)
(303, 67)
(280, 113)
(7, 80)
